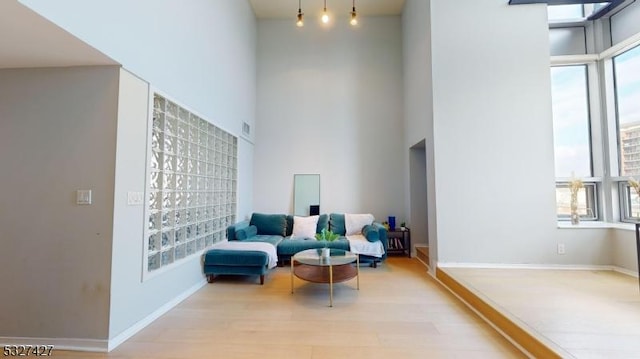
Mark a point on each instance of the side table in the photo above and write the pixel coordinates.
(399, 241)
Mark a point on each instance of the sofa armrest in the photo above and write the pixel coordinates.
(231, 230)
(382, 231)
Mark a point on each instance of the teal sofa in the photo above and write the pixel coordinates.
(277, 229)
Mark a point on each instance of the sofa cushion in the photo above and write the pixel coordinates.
(323, 223)
(305, 227)
(354, 223)
(274, 240)
(336, 223)
(246, 232)
(291, 245)
(231, 230)
(269, 224)
(371, 233)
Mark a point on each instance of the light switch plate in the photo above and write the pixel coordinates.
(135, 198)
(83, 196)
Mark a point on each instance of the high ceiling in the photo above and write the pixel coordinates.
(287, 9)
(29, 40)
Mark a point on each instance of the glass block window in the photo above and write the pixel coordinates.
(192, 184)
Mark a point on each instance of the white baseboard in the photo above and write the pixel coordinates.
(523, 266)
(538, 266)
(131, 331)
(100, 345)
(85, 345)
(625, 271)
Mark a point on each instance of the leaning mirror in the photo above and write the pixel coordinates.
(306, 193)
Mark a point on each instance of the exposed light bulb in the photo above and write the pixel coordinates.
(300, 22)
(325, 17)
(354, 19)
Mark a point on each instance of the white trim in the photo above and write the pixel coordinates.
(538, 266)
(524, 266)
(132, 330)
(596, 225)
(624, 45)
(625, 271)
(573, 59)
(75, 344)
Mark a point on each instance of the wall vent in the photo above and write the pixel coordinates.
(246, 129)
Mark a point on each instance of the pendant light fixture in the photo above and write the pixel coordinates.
(354, 18)
(300, 22)
(325, 16)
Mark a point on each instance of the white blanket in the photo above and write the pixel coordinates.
(353, 223)
(268, 248)
(360, 245)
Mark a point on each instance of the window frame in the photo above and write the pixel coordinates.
(588, 99)
(620, 181)
(611, 189)
(596, 135)
(624, 196)
(592, 200)
(228, 209)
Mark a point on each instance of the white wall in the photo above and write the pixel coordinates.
(623, 249)
(330, 102)
(625, 23)
(57, 135)
(200, 53)
(494, 138)
(418, 110)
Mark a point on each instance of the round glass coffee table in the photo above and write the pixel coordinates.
(335, 268)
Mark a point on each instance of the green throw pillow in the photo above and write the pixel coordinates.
(269, 224)
(371, 233)
(247, 232)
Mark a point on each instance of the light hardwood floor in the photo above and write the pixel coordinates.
(584, 314)
(399, 313)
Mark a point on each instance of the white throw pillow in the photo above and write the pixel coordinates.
(305, 226)
(353, 223)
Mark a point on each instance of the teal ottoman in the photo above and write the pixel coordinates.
(235, 262)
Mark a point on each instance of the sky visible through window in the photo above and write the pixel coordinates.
(564, 12)
(627, 76)
(627, 66)
(571, 121)
(574, 12)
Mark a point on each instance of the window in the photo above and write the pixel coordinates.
(626, 69)
(577, 13)
(572, 139)
(565, 12)
(587, 204)
(630, 203)
(627, 89)
(571, 134)
(192, 170)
